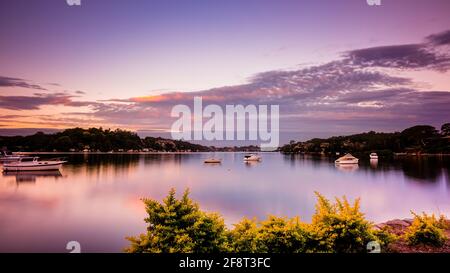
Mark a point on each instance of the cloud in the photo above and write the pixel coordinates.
(356, 92)
(442, 38)
(412, 56)
(37, 100)
(17, 82)
(429, 54)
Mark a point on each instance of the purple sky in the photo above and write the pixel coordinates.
(332, 66)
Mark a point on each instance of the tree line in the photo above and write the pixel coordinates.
(416, 139)
(95, 139)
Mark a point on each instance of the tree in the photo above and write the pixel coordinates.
(63, 143)
(416, 135)
(445, 129)
(179, 226)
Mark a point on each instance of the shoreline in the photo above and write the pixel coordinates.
(127, 153)
(137, 153)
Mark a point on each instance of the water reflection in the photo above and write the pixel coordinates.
(97, 198)
(347, 167)
(373, 163)
(31, 176)
(425, 169)
(251, 163)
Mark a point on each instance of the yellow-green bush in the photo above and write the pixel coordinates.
(243, 238)
(385, 237)
(339, 227)
(274, 235)
(178, 225)
(426, 229)
(281, 235)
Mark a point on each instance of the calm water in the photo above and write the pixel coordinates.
(95, 200)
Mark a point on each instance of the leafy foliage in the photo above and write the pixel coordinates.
(179, 226)
(280, 235)
(243, 237)
(340, 226)
(426, 229)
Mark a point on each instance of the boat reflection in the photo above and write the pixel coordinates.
(251, 163)
(30, 176)
(373, 163)
(347, 167)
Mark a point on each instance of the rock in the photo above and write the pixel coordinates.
(380, 226)
(409, 221)
(398, 223)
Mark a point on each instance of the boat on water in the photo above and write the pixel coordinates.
(347, 159)
(8, 157)
(34, 164)
(252, 157)
(373, 156)
(213, 160)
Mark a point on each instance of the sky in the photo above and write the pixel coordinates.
(334, 67)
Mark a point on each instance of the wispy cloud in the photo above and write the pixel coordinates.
(430, 54)
(17, 82)
(439, 39)
(35, 101)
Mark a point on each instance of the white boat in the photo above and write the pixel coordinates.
(33, 164)
(373, 156)
(213, 160)
(5, 157)
(347, 159)
(252, 157)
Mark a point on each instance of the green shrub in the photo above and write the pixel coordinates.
(426, 230)
(339, 227)
(281, 235)
(385, 237)
(243, 236)
(179, 226)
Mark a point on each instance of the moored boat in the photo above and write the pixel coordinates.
(33, 164)
(8, 157)
(213, 160)
(252, 157)
(347, 159)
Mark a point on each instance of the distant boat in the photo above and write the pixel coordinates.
(347, 159)
(252, 157)
(34, 164)
(213, 160)
(373, 156)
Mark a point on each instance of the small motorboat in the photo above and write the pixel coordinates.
(213, 161)
(373, 156)
(347, 159)
(252, 157)
(34, 164)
